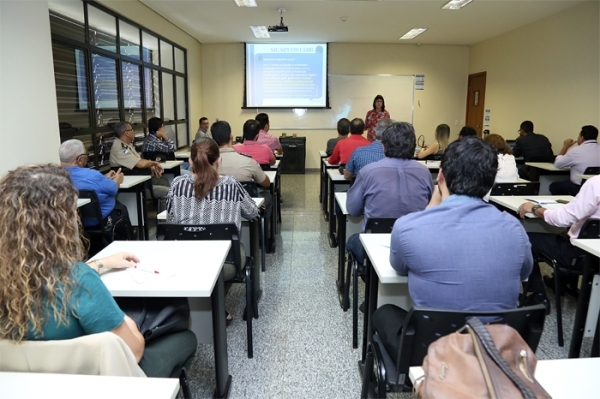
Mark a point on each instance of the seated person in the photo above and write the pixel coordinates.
(531, 145)
(392, 187)
(579, 158)
(344, 148)
(50, 294)
(480, 255)
(586, 205)
(207, 197)
(73, 157)
(259, 152)
(507, 166)
(123, 154)
(442, 135)
(343, 128)
(203, 129)
(158, 144)
(373, 152)
(264, 137)
(467, 131)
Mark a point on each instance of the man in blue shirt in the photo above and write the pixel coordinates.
(460, 253)
(365, 155)
(391, 187)
(73, 157)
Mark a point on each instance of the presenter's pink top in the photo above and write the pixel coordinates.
(259, 152)
(269, 140)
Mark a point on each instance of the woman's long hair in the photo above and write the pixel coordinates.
(498, 142)
(442, 135)
(204, 154)
(379, 97)
(39, 246)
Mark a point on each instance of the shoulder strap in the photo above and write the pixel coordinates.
(488, 343)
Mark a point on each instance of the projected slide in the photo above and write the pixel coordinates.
(286, 75)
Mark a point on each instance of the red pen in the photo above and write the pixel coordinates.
(146, 270)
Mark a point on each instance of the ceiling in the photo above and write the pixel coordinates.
(367, 21)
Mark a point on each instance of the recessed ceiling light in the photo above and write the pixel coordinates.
(260, 32)
(411, 34)
(246, 3)
(455, 4)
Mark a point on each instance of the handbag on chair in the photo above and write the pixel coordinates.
(488, 362)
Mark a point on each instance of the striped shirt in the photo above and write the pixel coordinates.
(228, 202)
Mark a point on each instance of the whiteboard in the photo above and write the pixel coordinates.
(350, 96)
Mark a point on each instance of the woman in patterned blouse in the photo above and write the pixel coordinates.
(375, 115)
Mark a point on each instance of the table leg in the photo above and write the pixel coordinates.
(332, 221)
(341, 239)
(325, 202)
(254, 232)
(582, 307)
(220, 339)
(321, 182)
(142, 225)
(372, 283)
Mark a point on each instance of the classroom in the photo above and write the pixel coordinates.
(546, 71)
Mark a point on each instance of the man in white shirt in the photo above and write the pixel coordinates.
(203, 129)
(579, 158)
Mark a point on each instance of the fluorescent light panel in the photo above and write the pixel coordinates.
(411, 34)
(455, 4)
(260, 32)
(246, 3)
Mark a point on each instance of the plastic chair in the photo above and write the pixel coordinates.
(244, 265)
(104, 227)
(252, 190)
(374, 226)
(509, 189)
(159, 156)
(424, 326)
(590, 230)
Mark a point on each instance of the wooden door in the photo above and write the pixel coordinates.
(476, 101)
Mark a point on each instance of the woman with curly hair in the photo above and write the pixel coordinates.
(46, 292)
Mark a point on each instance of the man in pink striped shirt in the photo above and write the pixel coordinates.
(265, 138)
(259, 152)
(586, 205)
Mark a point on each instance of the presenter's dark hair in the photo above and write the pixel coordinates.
(221, 132)
(379, 97)
(263, 119)
(251, 129)
(343, 126)
(467, 131)
(154, 124)
(204, 154)
(399, 141)
(357, 126)
(589, 132)
(527, 126)
(469, 167)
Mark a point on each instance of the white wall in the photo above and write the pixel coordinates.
(442, 101)
(28, 110)
(546, 72)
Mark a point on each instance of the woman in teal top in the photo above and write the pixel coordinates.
(45, 292)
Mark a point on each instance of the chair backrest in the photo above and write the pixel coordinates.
(158, 156)
(206, 232)
(592, 170)
(504, 189)
(590, 229)
(380, 225)
(424, 326)
(96, 354)
(542, 158)
(265, 166)
(250, 187)
(91, 212)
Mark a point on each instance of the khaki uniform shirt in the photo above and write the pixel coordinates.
(123, 154)
(242, 167)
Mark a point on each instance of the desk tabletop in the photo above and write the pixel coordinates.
(323, 153)
(83, 201)
(581, 374)
(513, 202)
(328, 165)
(163, 215)
(377, 247)
(334, 175)
(430, 164)
(132, 180)
(547, 166)
(272, 174)
(186, 268)
(341, 200)
(585, 177)
(183, 154)
(71, 386)
(170, 164)
(589, 245)
(276, 164)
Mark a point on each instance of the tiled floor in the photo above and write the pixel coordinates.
(302, 340)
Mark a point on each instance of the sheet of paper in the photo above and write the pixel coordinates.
(543, 201)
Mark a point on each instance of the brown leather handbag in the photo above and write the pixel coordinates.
(489, 362)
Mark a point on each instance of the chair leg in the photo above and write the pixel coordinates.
(559, 325)
(249, 310)
(367, 376)
(184, 384)
(263, 245)
(355, 306)
(346, 287)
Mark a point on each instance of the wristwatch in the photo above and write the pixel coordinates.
(535, 208)
(98, 264)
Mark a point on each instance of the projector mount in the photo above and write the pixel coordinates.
(281, 28)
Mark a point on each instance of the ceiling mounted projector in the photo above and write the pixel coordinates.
(281, 28)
